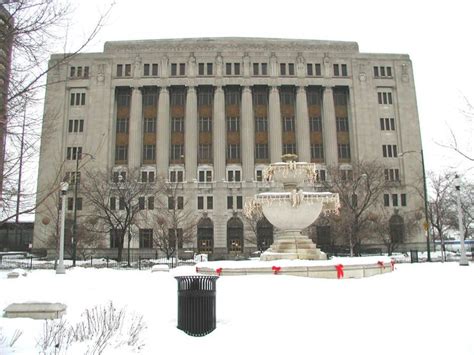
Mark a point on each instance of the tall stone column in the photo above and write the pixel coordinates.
(135, 133)
(219, 134)
(247, 135)
(275, 125)
(302, 125)
(191, 134)
(329, 128)
(163, 132)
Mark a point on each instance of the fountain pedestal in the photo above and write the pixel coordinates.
(292, 245)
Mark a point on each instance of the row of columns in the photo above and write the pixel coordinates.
(219, 131)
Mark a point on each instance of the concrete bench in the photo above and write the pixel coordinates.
(156, 268)
(35, 310)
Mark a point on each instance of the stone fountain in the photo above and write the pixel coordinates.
(292, 210)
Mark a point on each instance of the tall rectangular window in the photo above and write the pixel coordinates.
(343, 151)
(146, 69)
(289, 148)
(154, 69)
(210, 202)
(177, 151)
(205, 124)
(261, 151)
(344, 69)
(386, 200)
(174, 69)
(200, 202)
(182, 69)
(403, 200)
(233, 124)
(149, 152)
(255, 69)
(317, 151)
(261, 124)
(149, 125)
(291, 69)
(282, 69)
(205, 152)
(128, 69)
(264, 69)
(394, 200)
(122, 125)
(342, 124)
(230, 202)
(233, 151)
(121, 152)
(288, 124)
(315, 124)
(309, 69)
(177, 124)
(145, 237)
(317, 69)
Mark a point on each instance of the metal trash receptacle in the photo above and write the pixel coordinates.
(197, 304)
(414, 256)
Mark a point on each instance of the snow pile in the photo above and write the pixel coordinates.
(395, 313)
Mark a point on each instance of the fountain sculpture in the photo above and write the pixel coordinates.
(293, 210)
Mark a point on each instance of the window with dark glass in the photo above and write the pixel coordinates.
(233, 124)
(230, 202)
(174, 69)
(210, 203)
(264, 69)
(149, 151)
(261, 151)
(228, 68)
(233, 151)
(119, 70)
(317, 68)
(255, 69)
(394, 200)
(201, 68)
(177, 124)
(200, 202)
(261, 124)
(336, 69)
(146, 69)
(315, 124)
(282, 69)
(309, 69)
(289, 148)
(317, 151)
(403, 200)
(288, 124)
(182, 69)
(344, 151)
(342, 124)
(386, 200)
(291, 69)
(205, 124)
(128, 69)
(344, 69)
(121, 152)
(177, 151)
(205, 152)
(122, 125)
(236, 68)
(146, 238)
(149, 125)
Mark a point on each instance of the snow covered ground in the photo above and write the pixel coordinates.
(421, 308)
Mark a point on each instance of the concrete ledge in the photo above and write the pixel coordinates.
(351, 271)
(162, 268)
(35, 310)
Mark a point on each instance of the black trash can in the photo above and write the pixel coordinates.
(197, 304)
(414, 256)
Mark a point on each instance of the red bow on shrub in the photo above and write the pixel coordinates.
(276, 269)
(381, 264)
(197, 270)
(219, 271)
(340, 271)
(392, 262)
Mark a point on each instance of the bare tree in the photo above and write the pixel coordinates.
(176, 221)
(359, 192)
(117, 199)
(394, 229)
(34, 28)
(467, 207)
(440, 207)
(454, 143)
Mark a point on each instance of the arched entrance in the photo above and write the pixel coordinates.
(397, 229)
(264, 234)
(205, 236)
(235, 235)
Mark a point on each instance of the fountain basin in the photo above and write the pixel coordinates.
(295, 210)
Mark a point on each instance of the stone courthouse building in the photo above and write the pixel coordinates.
(212, 113)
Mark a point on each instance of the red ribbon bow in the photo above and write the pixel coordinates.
(219, 271)
(381, 264)
(340, 271)
(197, 270)
(276, 269)
(392, 262)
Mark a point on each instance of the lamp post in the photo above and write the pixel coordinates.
(74, 218)
(60, 268)
(425, 197)
(457, 184)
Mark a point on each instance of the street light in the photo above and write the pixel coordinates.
(457, 184)
(74, 223)
(425, 196)
(60, 268)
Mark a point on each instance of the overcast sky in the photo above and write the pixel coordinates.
(438, 36)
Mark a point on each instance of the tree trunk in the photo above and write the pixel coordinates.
(128, 251)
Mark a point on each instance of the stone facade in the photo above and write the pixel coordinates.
(223, 109)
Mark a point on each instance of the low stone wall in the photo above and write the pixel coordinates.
(355, 271)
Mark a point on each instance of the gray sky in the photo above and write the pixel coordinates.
(437, 35)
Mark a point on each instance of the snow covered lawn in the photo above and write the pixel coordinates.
(418, 309)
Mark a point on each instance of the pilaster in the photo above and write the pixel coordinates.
(275, 125)
(191, 132)
(302, 125)
(219, 134)
(329, 127)
(163, 132)
(247, 134)
(135, 133)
